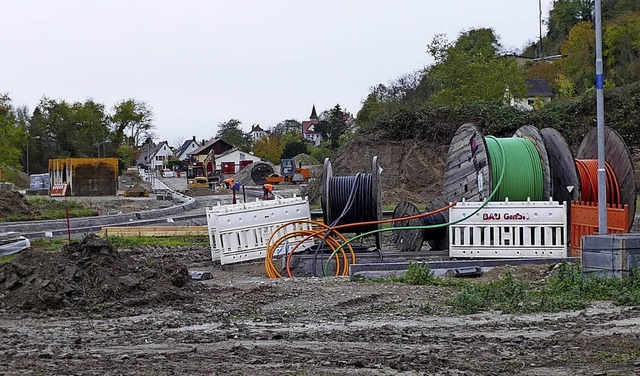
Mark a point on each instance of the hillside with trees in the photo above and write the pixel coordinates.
(473, 77)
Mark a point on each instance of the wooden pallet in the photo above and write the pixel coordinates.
(158, 231)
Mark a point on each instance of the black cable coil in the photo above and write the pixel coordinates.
(362, 207)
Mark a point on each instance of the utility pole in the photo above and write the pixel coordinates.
(28, 141)
(602, 174)
(540, 27)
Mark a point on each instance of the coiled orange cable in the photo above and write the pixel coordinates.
(331, 236)
(588, 172)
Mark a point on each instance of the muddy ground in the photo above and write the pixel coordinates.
(128, 312)
(88, 320)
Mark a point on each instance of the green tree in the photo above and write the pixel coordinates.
(292, 149)
(409, 89)
(566, 87)
(12, 134)
(289, 126)
(132, 122)
(579, 56)
(269, 147)
(70, 129)
(472, 70)
(333, 125)
(231, 132)
(321, 152)
(621, 42)
(565, 14)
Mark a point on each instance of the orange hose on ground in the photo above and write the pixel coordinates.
(321, 233)
(272, 271)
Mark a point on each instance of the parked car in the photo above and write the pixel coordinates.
(166, 173)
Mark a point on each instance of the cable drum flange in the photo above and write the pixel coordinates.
(437, 238)
(407, 240)
(467, 173)
(565, 183)
(410, 240)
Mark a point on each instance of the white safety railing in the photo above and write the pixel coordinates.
(509, 230)
(239, 232)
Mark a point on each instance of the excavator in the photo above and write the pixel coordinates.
(289, 173)
(203, 174)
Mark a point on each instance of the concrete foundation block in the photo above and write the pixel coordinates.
(611, 255)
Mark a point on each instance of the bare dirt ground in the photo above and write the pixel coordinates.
(92, 310)
(97, 311)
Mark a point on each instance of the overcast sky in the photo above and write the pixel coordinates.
(200, 63)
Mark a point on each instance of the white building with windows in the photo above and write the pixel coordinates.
(155, 157)
(234, 159)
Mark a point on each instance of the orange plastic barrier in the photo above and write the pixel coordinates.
(584, 221)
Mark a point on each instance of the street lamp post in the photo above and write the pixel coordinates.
(104, 148)
(28, 140)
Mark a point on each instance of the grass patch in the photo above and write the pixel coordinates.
(49, 244)
(8, 258)
(169, 241)
(567, 289)
(52, 209)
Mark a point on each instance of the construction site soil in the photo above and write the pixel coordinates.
(94, 310)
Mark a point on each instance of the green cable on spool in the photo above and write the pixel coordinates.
(523, 177)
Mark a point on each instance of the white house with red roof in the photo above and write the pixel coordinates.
(309, 131)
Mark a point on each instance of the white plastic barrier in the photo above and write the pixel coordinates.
(509, 230)
(240, 232)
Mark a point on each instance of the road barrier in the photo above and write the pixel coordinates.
(508, 229)
(239, 232)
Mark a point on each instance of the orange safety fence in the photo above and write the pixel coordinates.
(584, 221)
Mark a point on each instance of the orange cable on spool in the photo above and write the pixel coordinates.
(588, 173)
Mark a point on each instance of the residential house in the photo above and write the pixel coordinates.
(208, 151)
(309, 131)
(234, 160)
(213, 147)
(539, 90)
(184, 151)
(257, 132)
(155, 157)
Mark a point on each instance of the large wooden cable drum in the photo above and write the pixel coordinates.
(474, 164)
(618, 156)
(467, 174)
(410, 240)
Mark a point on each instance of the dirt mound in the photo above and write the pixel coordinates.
(412, 170)
(14, 203)
(129, 179)
(306, 160)
(88, 274)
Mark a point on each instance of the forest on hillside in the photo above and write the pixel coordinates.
(473, 79)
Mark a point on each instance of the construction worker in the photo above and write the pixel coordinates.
(228, 183)
(267, 191)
